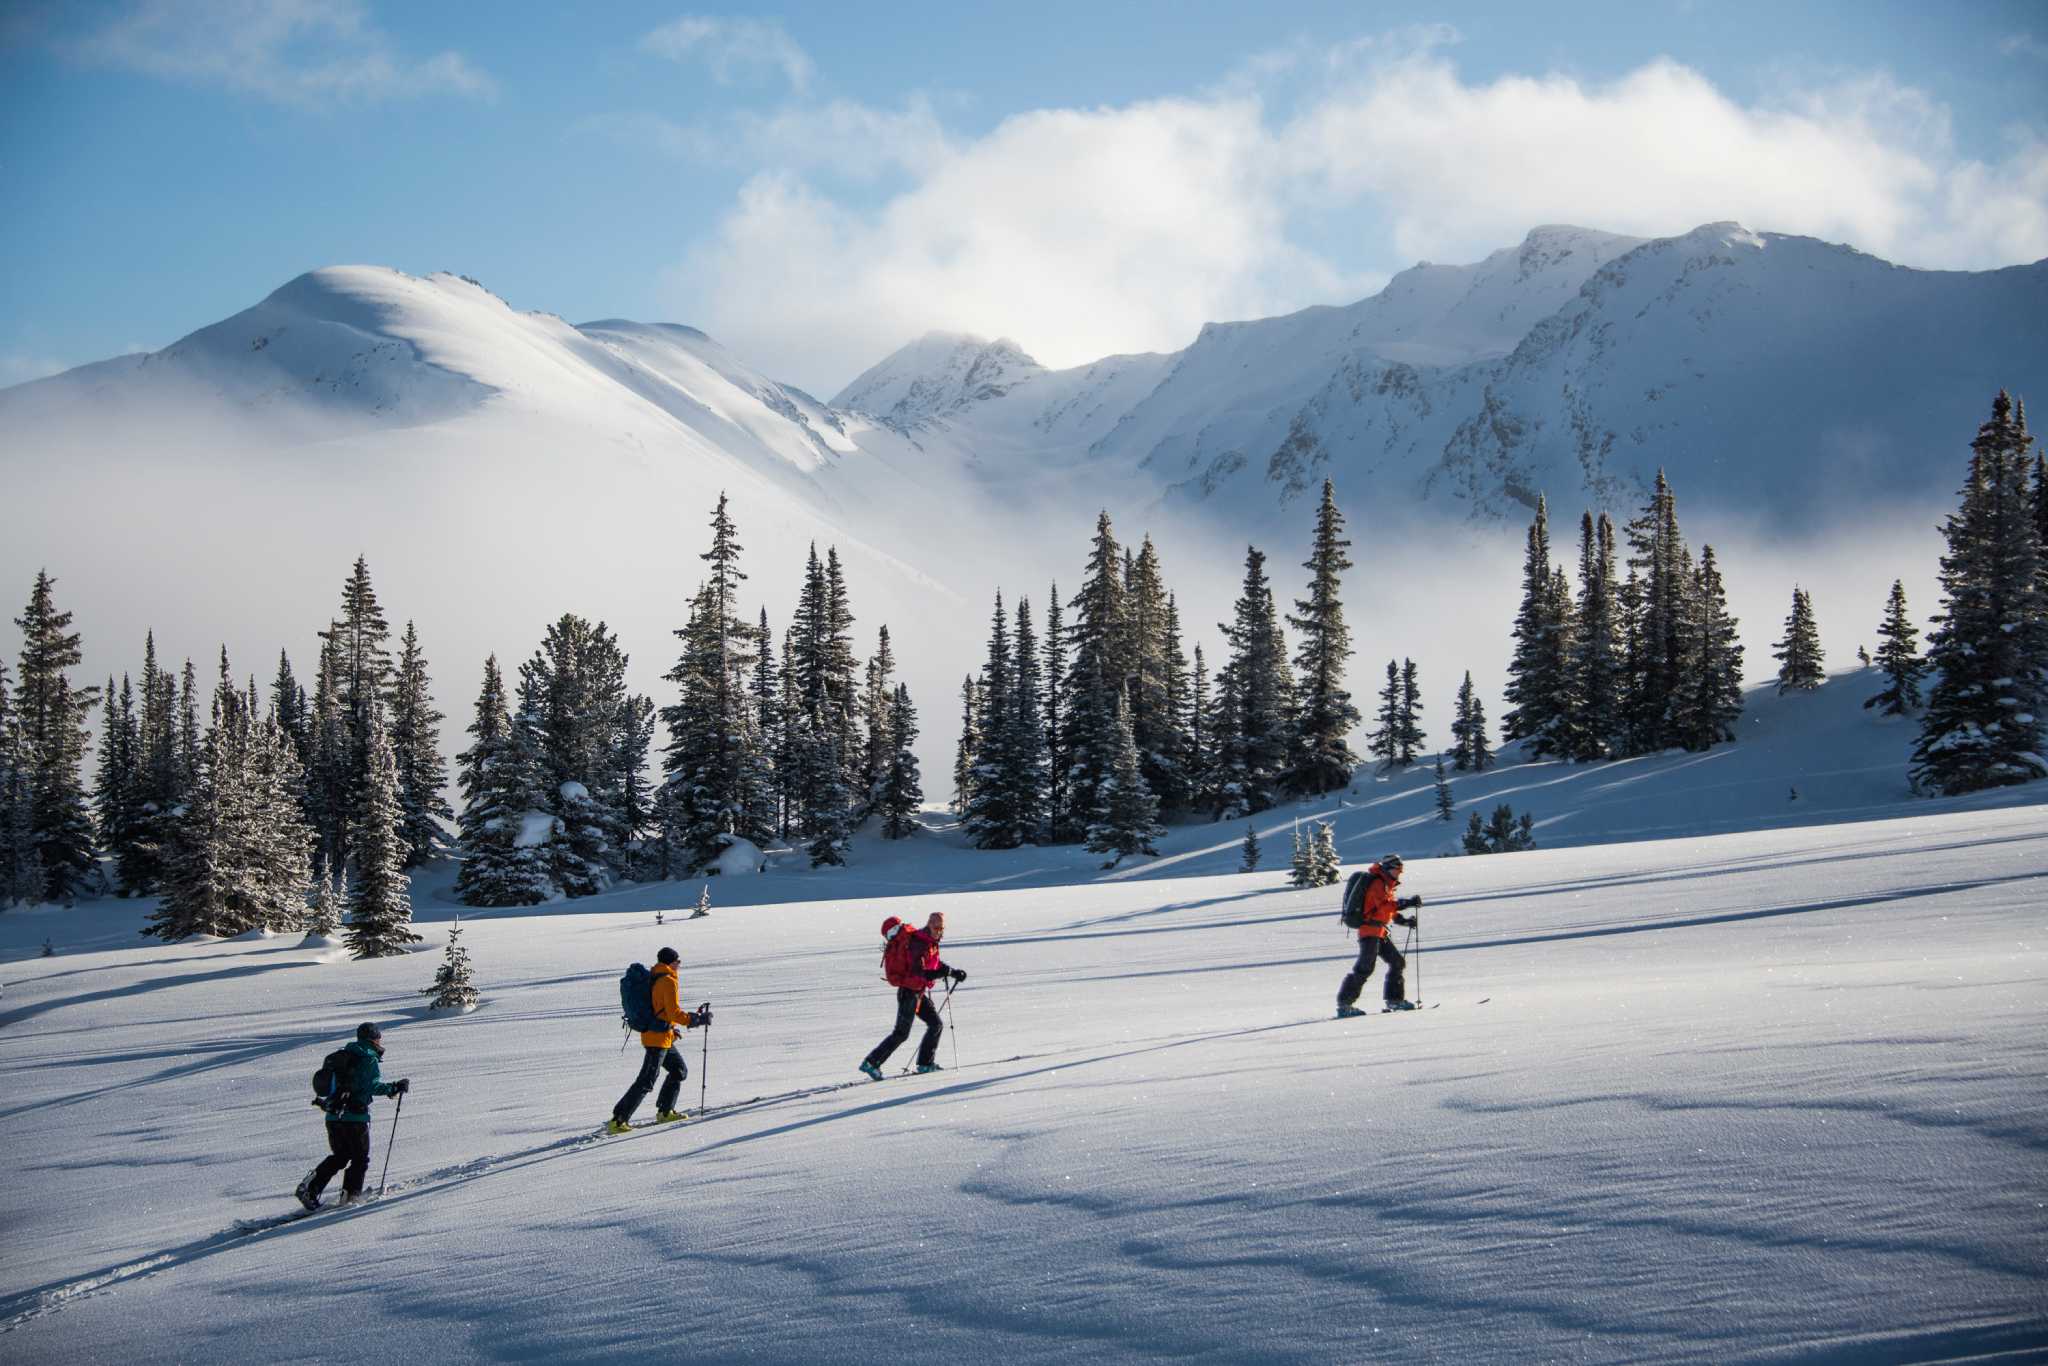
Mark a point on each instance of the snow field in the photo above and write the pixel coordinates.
(1774, 1095)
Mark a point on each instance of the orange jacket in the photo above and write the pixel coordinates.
(1380, 902)
(667, 1006)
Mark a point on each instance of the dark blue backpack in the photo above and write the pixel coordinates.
(636, 1000)
(330, 1082)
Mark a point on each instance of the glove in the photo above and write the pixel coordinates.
(1403, 920)
(1412, 903)
(702, 1019)
(959, 974)
(401, 1086)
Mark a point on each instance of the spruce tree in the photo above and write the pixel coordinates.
(1532, 685)
(1096, 677)
(380, 901)
(289, 707)
(1446, 805)
(1412, 734)
(1984, 722)
(1324, 865)
(499, 781)
(1201, 747)
(902, 795)
(764, 692)
(362, 680)
(1027, 730)
(991, 818)
(1264, 699)
(715, 765)
(1798, 654)
(454, 985)
(323, 909)
(326, 797)
(1661, 577)
(1708, 701)
(878, 699)
(968, 751)
(1469, 748)
(1248, 862)
(50, 719)
(1384, 741)
(576, 713)
(1059, 821)
(19, 873)
(1301, 868)
(1326, 715)
(118, 790)
(1898, 656)
(416, 745)
(1126, 813)
(1596, 664)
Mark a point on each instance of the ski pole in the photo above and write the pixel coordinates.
(704, 1064)
(391, 1143)
(951, 1028)
(1415, 948)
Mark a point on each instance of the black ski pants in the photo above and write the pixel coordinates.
(348, 1145)
(911, 1005)
(657, 1059)
(1370, 951)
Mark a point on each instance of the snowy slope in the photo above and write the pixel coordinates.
(1724, 1098)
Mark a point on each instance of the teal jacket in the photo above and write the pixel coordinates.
(363, 1080)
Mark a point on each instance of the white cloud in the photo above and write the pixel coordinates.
(734, 49)
(2024, 45)
(1084, 232)
(298, 52)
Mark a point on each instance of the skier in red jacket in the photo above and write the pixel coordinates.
(911, 963)
(1380, 908)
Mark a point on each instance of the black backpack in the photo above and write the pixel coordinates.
(1353, 910)
(636, 1000)
(329, 1091)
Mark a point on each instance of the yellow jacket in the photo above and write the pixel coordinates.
(667, 1006)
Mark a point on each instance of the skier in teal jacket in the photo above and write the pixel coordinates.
(348, 1118)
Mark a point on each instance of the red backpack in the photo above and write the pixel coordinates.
(900, 966)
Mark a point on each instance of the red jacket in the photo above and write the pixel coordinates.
(1380, 902)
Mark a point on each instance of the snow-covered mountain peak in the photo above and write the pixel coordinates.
(937, 374)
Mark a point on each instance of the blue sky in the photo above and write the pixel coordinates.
(819, 183)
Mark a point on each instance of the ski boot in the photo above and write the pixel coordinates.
(925, 1067)
(1401, 1005)
(615, 1125)
(1346, 1012)
(669, 1116)
(305, 1193)
(872, 1072)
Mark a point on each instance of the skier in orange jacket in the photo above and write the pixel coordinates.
(1381, 907)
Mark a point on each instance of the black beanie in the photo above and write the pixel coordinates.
(668, 956)
(367, 1032)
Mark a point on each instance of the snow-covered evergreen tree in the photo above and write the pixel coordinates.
(1201, 749)
(764, 692)
(416, 744)
(1059, 819)
(1469, 748)
(902, 795)
(1248, 861)
(1501, 834)
(1412, 734)
(380, 894)
(878, 694)
(716, 767)
(1096, 678)
(1899, 657)
(20, 875)
(240, 859)
(1984, 722)
(1708, 701)
(1027, 728)
(1126, 813)
(50, 719)
(1798, 653)
(1446, 805)
(324, 908)
(1661, 578)
(1596, 663)
(290, 709)
(1264, 743)
(1383, 742)
(968, 751)
(502, 805)
(361, 663)
(1326, 715)
(1324, 865)
(1533, 682)
(991, 818)
(326, 796)
(454, 985)
(577, 718)
(1300, 872)
(118, 790)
